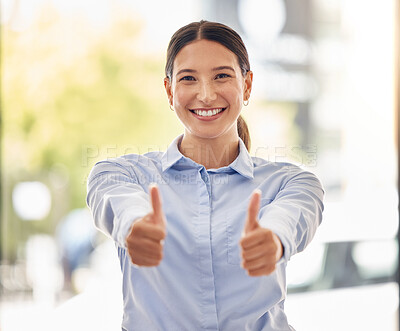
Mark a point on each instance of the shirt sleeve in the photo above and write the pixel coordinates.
(116, 198)
(296, 212)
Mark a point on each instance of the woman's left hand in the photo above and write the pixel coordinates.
(261, 248)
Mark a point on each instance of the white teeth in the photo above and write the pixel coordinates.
(211, 112)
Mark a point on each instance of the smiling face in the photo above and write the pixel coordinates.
(207, 89)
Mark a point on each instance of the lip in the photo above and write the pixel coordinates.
(208, 118)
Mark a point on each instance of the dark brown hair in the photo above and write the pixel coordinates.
(221, 34)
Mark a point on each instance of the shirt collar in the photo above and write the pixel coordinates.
(172, 155)
(243, 164)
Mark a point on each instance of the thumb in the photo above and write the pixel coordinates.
(156, 205)
(252, 212)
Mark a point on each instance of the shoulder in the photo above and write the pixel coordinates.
(141, 160)
(285, 167)
(282, 171)
(129, 163)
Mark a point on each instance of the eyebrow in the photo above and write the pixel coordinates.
(223, 68)
(185, 70)
(213, 69)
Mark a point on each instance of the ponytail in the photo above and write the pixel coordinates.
(243, 132)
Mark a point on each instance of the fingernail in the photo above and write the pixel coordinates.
(257, 191)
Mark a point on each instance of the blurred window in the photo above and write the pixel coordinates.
(305, 269)
(376, 259)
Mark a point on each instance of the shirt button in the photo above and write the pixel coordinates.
(205, 179)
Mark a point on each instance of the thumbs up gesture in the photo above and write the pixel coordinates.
(145, 240)
(261, 248)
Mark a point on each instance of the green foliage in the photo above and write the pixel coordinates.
(67, 86)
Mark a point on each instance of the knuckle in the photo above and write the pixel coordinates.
(131, 244)
(159, 255)
(271, 249)
(268, 247)
(134, 261)
(157, 261)
(270, 269)
(137, 229)
(266, 234)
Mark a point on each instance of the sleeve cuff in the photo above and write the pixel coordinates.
(280, 229)
(125, 221)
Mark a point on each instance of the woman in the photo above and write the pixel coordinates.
(206, 246)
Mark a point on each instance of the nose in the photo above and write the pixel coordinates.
(206, 93)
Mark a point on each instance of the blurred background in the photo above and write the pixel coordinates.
(81, 81)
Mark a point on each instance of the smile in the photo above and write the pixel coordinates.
(207, 112)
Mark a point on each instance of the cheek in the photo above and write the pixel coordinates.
(181, 96)
(232, 93)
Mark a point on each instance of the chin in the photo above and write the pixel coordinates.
(208, 134)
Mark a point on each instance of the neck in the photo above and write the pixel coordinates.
(212, 153)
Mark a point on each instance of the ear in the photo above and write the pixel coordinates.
(248, 83)
(168, 89)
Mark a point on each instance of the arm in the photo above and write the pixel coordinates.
(295, 213)
(115, 198)
(286, 225)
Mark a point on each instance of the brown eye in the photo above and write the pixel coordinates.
(190, 78)
(219, 76)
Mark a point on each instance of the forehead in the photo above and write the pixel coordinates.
(204, 54)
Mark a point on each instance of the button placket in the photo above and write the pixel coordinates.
(208, 306)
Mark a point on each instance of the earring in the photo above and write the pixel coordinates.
(246, 102)
(170, 107)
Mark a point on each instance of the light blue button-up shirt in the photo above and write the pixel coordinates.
(199, 284)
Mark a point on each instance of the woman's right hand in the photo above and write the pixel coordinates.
(146, 238)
